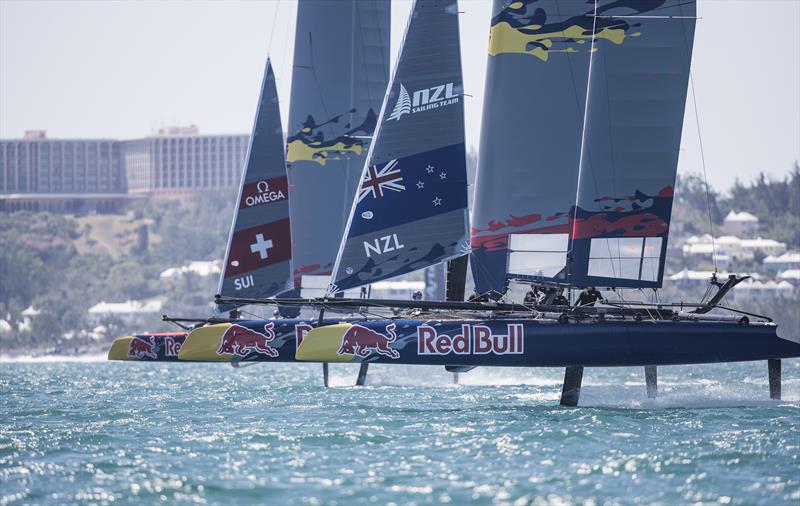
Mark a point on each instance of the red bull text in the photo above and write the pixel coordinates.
(473, 340)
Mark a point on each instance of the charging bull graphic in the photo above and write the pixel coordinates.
(361, 341)
(141, 347)
(240, 341)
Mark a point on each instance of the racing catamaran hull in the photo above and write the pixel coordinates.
(498, 343)
(155, 347)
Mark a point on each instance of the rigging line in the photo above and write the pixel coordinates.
(702, 151)
(705, 173)
(646, 17)
(584, 151)
(613, 170)
(272, 30)
(319, 88)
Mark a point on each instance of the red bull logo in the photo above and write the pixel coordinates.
(241, 341)
(473, 339)
(141, 348)
(362, 341)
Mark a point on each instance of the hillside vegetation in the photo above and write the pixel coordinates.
(64, 264)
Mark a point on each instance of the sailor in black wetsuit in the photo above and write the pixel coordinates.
(531, 296)
(588, 297)
(559, 299)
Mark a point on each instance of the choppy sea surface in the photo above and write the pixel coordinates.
(90, 431)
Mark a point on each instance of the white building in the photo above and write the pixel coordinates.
(753, 290)
(740, 224)
(198, 268)
(128, 311)
(787, 261)
(732, 247)
(790, 276)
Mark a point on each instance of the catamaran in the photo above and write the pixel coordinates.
(577, 163)
(287, 246)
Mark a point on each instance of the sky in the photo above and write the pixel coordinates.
(119, 69)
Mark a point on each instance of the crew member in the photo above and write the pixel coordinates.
(588, 297)
(531, 296)
(417, 295)
(559, 299)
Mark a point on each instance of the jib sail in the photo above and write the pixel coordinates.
(633, 130)
(410, 211)
(530, 142)
(257, 261)
(341, 67)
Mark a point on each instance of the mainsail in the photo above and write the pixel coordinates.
(630, 155)
(553, 176)
(257, 261)
(411, 209)
(530, 138)
(341, 67)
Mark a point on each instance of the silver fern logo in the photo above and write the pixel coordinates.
(423, 100)
(403, 105)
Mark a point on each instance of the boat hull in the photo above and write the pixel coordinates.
(153, 347)
(497, 342)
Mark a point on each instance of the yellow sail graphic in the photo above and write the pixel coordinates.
(319, 152)
(504, 38)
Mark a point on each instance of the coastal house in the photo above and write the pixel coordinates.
(742, 224)
(777, 263)
(128, 311)
(790, 276)
(197, 268)
(729, 247)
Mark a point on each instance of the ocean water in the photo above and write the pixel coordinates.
(94, 432)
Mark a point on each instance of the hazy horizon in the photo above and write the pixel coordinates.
(82, 69)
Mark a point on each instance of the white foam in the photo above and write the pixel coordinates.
(51, 359)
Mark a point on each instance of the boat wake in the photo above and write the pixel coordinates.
(679, 386)
(52, 359)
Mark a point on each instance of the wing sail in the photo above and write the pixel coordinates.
(411, 209)
(258, 258)
(529, 151)
(341, 67)
(630, 155)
